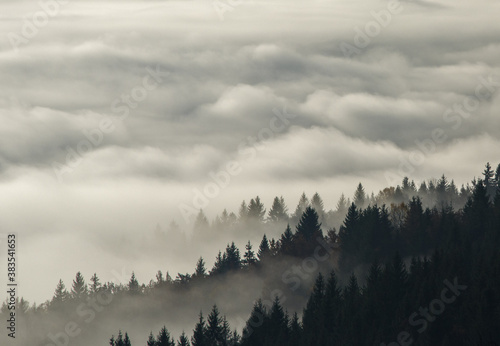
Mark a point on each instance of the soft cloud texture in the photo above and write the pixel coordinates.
(354, 117)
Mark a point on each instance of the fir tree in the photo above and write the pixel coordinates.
(183, 340)
(214, 327)
(60, 294)
(278, 211)
(199, 338)
(200, 271)
(151, 340)
(79, 289)
(133, 284)
(360, 196)
(249, 256)
(95, 284)
(264, 249)
(164, 338)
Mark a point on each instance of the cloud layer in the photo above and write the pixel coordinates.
(223, 82)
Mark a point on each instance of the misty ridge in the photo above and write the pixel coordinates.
(409, 265)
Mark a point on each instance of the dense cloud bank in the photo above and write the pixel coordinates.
(132, 104)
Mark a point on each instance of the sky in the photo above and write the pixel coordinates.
(119, 116)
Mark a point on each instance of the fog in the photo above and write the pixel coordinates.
(267, 88)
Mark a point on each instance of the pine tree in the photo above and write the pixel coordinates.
(199, 338)
(264, 249)
(278, 211)
(243, 213)
(348, 233)
(278, 325)
(317, 205)
(233, 259)
(342, 205)
(286, 241)
(133, 284)
(151, 340)
(309, 226)
(164, 338)
(497, 177)
(200, 271)
(301, 207)
(256, 210)
(295, 331)
(256, 327)
(220, 265)
(79, 289)
(489, 181)
(313, 314)
(360, 196)
(119, 339)
(60, 294)
(214, 328)
(249, 256)
(183, 340)
(95, 284)
(126, 340)
(331, 310)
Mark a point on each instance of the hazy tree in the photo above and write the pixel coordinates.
(183, 340)
(79, 289)
(151, 340)
(126, 340)
(317, 204)
(360, 196)
(60, 294)
(249, 256)
(95, 284)
(301, 207)
(200, 271)
(342, 205)
(201, 223)
(133, 284)
(233, 258)
(243, 213)
(256, 210)
(278, 211)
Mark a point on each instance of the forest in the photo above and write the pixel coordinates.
(412, 265)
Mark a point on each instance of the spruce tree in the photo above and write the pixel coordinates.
(200, 271)
(95, 284)
(301, 206)
(199, 337)
(249, 256)
(360, 196)
(264, 249)
(164, 338)
(309, 227)
(214, 328)
(151, 340)
(60, 295)
(133, 284)
(79, 289)
(183, 340)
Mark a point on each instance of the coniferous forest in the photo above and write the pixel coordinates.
(410, 266)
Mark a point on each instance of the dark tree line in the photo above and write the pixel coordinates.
(398, 302)
(403, 255)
